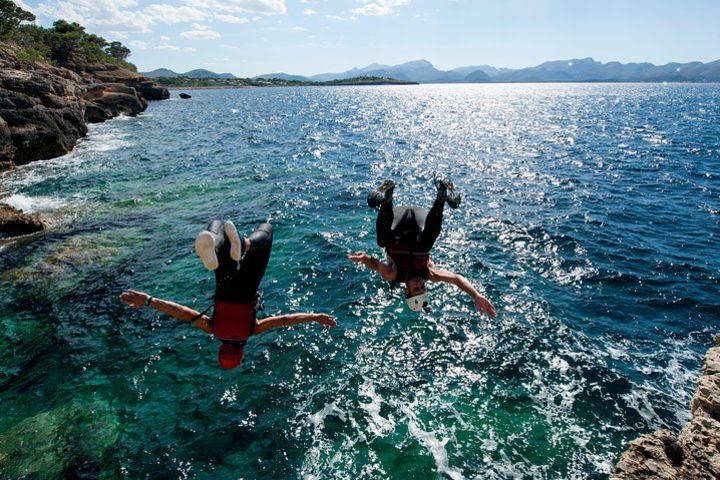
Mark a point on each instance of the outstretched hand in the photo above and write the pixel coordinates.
(482, 304)
(325, 320)
(357, 257)
(134, 298)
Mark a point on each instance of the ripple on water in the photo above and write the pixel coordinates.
(589, 218)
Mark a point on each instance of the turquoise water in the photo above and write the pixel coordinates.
(591, 219)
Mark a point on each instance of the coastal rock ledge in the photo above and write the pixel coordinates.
(44, 109)
(692, 455)
(14, 222)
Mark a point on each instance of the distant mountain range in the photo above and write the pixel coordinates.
(198, 73)
(573, 70)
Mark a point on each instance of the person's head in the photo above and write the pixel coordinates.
(415, 285)
(416, 294)
(230, 355)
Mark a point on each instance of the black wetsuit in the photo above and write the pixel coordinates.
(239, 283)
(410, 229)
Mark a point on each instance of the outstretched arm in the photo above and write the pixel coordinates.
(293, 319)
(385, 271)
(482, 304)
(140, 299)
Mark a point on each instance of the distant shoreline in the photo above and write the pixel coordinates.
(239, 87)
(211, 88)
(596, 82)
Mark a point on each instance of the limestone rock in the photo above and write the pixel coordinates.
(695, 453)
(650, 456)
(44, 109)
(7, 149)
(14, 222)
(108, 100)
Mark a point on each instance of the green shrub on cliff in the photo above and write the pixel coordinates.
(10, 17)
(66, 43)
(28, 55)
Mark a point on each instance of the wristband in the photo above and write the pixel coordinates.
(147, 302)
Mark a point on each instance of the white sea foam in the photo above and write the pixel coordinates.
(105, 142)
(317, 419)
(435, 446)
(377, 424)
(34, 204)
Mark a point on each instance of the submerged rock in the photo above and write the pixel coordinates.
(14, 222)
(695, 453)
(185, 95)
(72, 441)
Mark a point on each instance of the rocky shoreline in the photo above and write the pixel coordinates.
(45, 109)
(694, 454)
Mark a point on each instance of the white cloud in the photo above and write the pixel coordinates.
(189, 49)
(164, 38)
(118, 35)
(309, 11)
(169, 14)
(379, 7)
(119, 17)
(200, 32)
(138, 45)
(263, 7)
(299, 29)
(224, 17)
(168, 48)
(104, 14)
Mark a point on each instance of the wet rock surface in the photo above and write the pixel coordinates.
(695, 452)
(14, 222)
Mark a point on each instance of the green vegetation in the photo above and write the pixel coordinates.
(11, 15)
(63, 44)
(187, 82)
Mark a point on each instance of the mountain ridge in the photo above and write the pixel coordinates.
(196, 73)
(570, 70)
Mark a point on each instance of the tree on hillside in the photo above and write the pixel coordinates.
(65, 40)
(117, 50)
(11, 15)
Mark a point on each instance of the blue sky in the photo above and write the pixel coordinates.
(251, 37)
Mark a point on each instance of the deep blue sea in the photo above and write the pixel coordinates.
(591, 219)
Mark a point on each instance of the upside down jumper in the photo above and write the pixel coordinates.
(239, 265)
(408, 234)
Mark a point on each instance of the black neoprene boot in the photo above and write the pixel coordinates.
(446, 191)
(382, 195)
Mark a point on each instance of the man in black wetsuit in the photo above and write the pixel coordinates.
(239, 265)
(408, 234)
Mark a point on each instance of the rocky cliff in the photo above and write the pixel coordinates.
(694, 454)
(44, 109)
